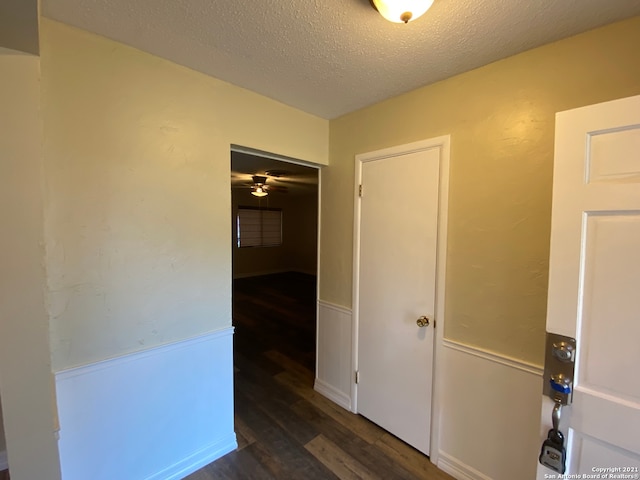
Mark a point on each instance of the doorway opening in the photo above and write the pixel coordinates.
(274, 262)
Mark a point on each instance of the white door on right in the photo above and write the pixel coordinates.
(594, 285)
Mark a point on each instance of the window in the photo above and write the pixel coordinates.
(259, 227)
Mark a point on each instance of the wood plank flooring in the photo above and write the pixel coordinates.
(285, 429)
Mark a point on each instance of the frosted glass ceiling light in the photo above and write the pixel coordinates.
(258, 191)
(401, 11)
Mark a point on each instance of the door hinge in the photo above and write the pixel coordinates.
(357, 377)
(360, 190)
(434, 323)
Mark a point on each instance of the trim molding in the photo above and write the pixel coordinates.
(494, 357)
(134, 356)
(274, 156)
(332, 394)
(457, 469)
(197, 460)
(335, 307)
(4, 464)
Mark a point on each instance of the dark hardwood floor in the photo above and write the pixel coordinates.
(285, 429)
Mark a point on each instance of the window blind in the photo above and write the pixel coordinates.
(259, 227)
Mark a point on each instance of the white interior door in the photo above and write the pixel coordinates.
(594, 284)
(397, 285)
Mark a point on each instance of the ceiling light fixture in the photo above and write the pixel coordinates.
(259, 188)
(258, 191)
(401, 11)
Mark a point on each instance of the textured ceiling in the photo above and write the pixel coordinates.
(330, 57)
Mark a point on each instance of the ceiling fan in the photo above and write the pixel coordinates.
(264, 182)
(259, 187)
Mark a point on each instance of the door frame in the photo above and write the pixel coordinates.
(443, 144)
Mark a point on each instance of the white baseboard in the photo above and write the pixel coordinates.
(332, 394)
(273, 272)
(158, 414)
(197, 460)
(458, 469)
(261, 273)
(313, 273)
(4, 464)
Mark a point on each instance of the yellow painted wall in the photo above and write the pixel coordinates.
(303, 233)
(25, 370)
(137, 203)
(501, 121)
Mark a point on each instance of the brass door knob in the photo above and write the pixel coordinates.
(422, 322)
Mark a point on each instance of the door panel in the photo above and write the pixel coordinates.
(397, 284)
(590, 455)
(594, 280)
(610, 328)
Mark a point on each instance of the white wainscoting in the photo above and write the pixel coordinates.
(334, 368)
(159, 414)
(489, 403)
(489, 418)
